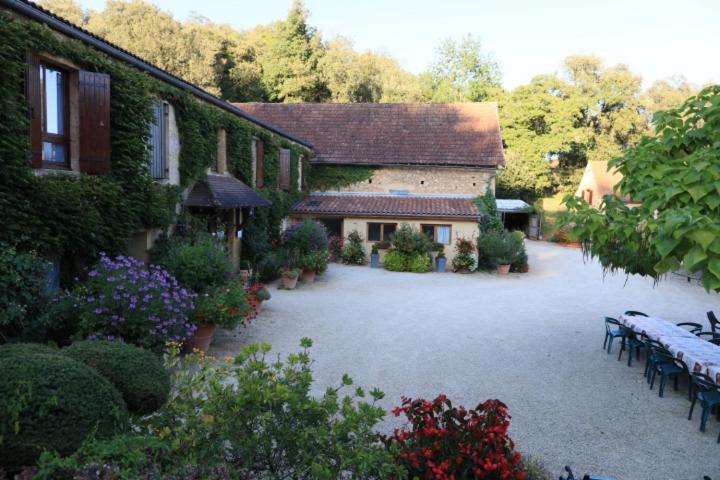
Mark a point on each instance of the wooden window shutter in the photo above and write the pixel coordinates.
(94, 100)
(284, 177)
(34, 98)
(259, 164)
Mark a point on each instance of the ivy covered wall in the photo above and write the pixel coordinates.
(82, 215)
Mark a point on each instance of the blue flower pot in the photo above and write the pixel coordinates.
(441, 262)
(375, 260)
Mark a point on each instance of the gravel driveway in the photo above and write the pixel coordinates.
(532, 340)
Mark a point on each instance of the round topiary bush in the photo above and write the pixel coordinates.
(12, 349)
(51, 402)
(138, 374)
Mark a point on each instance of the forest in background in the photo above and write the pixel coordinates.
(551, 127)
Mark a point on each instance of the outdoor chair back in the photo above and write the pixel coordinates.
(714, 322)
(692, 326)
(708, 393)
(635, 313)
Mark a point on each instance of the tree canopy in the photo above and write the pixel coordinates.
(552, 126)
(674, 177)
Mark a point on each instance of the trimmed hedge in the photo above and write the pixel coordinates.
(12, 349)
(138, 374)
(50, 402)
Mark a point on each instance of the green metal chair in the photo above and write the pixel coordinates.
(708, 393)
(631, 342)
(612, 331)
(668, 367)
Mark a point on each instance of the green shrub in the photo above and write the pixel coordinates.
(500, 248)
(353, 251)
(420, 263)
(51, 402)
(316, 261)
(199, 263)
(489, 219)
(12, 349)
(137, 374)
(23, 292)
(305, 237)
(226, 307)
(463, 261)
(395, 261)
(410, 242)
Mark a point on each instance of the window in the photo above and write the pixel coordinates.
(258, 159)
(380, 231)
(438, 233)
(284, 169)
(54, 114)
(158, 141)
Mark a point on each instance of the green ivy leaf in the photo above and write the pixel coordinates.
(694, 258)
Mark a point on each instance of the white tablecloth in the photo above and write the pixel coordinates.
(699, 355)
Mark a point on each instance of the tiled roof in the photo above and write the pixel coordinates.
(451, 134)
(220, 191)
(39, 13)
(375, 205)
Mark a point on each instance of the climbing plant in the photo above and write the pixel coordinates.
(330, 177)
(674, 179)
(81, 215)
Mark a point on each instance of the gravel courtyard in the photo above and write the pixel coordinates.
(532, 340)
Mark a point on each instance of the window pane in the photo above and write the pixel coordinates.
(54, 108)
(388, 229)
(429, 230)
(157, 143)
(373, 232)
(53, 152)
(443, 234)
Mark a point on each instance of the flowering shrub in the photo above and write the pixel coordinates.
(448, 443)
(226, 307)
(257, 294)
(335, 246)
(353, 251)
(464, 245)
(141, 304)
(305, 237)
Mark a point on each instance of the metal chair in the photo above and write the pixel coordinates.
(708, 393)
(611, 333)
(714, 322)
(651, 347)
(694, 327)
(708, 335)
(668, 367)
(630, 340)
(634, 313)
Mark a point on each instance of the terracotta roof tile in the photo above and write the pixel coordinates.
(375, 205)
(453, 134)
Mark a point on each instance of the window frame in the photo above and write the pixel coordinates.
(435, 227)
(63, 139)
(382, 230)
(164, 108)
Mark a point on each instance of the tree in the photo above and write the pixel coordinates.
(667, 94)
(461, 72)
(673, 175)
(67, 9)
(290, 53)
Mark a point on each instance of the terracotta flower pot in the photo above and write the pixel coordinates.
(503, 269)
(289, 283)
(525, 268)
(202, 339)
(308, 276)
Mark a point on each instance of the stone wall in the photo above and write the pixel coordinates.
(430, 180)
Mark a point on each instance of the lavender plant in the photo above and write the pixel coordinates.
(125, 299)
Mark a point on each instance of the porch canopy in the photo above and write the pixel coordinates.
(223, 192)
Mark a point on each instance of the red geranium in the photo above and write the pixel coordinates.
(451, 443)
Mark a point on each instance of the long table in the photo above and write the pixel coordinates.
(699, 355)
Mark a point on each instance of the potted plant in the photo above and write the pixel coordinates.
(257, 294)
(289, 278)
(226, 308)
(464, 262)
(440, 260)
(375, 257)
(503, 267)
(307, 264)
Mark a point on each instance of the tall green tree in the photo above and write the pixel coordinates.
(462, 72)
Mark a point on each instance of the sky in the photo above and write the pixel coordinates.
(656, 38)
